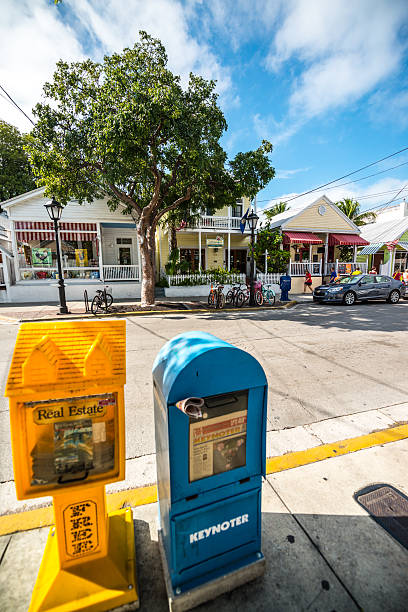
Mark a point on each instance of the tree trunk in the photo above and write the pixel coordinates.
(146, 235)
(172, 238)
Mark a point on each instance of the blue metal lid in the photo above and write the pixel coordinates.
(198, 363)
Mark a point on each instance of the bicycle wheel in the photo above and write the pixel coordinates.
(258, 298)
(211, 299)
(96, 305)
(240, 299)
(221, 300)
(270, 296)
(109, 300)
(229, 298)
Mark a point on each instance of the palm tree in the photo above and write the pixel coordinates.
(351, 208)
(277, 209)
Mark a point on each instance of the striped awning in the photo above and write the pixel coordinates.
(347, 240)
(301, 238)
(44, 230)
(404, 245)
(371, 248)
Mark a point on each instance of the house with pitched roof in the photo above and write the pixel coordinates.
(313, 236)
(388, 238)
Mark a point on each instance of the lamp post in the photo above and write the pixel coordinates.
(54, 210)
(252, 222)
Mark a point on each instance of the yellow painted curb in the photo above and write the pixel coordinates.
(325, 451)
(41, 517)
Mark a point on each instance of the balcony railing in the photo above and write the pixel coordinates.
(216, 223)
(299, 269)
(122, 273)
(346, 267)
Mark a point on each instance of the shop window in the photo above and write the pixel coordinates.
(38, 259)
(123, 240)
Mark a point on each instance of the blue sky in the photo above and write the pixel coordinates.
(325, 82)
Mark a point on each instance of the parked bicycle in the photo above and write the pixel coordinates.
(244, 295)
(102, 301)
(268, 294)
(216, 297)
(231, 297)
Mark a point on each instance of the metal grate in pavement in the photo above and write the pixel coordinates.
(388, 507)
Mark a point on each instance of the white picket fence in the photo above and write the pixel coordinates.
(202, 279)
(268, 279)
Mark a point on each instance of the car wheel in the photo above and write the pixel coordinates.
(349, 298)
(394, 297)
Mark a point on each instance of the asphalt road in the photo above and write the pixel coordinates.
(321, 362)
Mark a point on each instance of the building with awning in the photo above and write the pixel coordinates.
(98, 246)
(315, 236)
(388, 240)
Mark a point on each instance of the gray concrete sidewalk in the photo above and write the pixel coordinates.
(323, 551)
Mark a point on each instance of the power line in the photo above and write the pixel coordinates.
(357, 197)
(342, 177)
(387, 203)
(375, 195)
(16, 105)
(356, 180)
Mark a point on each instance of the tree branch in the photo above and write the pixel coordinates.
(125, 198)
(183, 198)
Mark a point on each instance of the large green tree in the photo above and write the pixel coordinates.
(352, 209)
(126, 128)
(16, 176)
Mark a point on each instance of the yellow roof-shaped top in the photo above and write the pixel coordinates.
(67, 354)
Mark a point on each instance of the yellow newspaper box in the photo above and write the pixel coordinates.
(67, 418)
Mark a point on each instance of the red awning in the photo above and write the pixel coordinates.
(44, 230)
(347, 240)
(301, 237)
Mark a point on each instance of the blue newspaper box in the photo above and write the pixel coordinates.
(285, 283)
(210, 403)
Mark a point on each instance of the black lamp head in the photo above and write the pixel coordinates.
(54, 209)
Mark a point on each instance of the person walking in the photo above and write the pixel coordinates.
(356, 271)
(333, 275)
(373, 270)
(308, 281)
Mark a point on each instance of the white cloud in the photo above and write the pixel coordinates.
(286, 174)
(276, 132)
(34, 37)
(346, 49)
(33, 40)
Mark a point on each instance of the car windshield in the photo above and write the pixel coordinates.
(349, 280)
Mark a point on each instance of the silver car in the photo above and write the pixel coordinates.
(361, 287)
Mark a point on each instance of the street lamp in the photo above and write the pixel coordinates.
(54, 210)
(252, 222)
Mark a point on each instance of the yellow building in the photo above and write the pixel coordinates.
(314, 236)
(215, 241)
